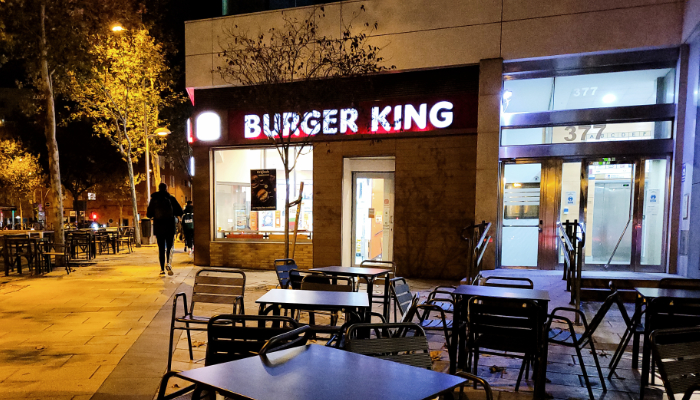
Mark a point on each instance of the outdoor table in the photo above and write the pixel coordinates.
(370, 274)
(465, 292)
(649, 294)
(312, 300)
(315, 372)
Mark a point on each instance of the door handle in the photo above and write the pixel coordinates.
(539, 228)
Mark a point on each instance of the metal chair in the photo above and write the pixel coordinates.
(288, 273)
(569, 338)
(676, 352)
(500, 327)
(213, 286)
(488, 393)
(287, 340)
(325, 283)
(402, 342)
(232, 337)
(508, 282)
(383, 298)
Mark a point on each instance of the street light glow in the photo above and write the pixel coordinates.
(117, 28)
(162, 132)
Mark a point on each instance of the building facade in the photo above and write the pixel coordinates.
(578, 111)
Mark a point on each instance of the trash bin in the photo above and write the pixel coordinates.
(146, 227)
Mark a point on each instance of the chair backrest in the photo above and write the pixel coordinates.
(677, 354)
(235, 336)
(508, 282)
(283, 267)
(325, 282)
(602, 311)
(401, 293)
(390, 265)
(679, 283)
(673, 313)
(219, 286)
(505, 324)
(405, 343)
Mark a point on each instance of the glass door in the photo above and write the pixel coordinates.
(521, 221)
(372, 216)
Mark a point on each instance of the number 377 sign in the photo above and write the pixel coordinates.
(603, 132)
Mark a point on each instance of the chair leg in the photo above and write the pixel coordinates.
(476, 363)
(526, 363)
(520, 374)
(585, 374)
(619, 352)
(170, 348)
(597, 365)
(635, 351)
(189, 340)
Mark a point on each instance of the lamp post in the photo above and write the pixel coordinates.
(162, 132)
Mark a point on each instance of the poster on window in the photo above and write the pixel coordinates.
(263, 184)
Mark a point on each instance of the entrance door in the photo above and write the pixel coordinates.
(621, 203)
(373, 216)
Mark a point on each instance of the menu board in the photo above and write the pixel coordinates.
(263, 184)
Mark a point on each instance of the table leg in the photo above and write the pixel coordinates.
(370, 286)
(635, 344)
(541, 368)
(456, 343)
(646, 353)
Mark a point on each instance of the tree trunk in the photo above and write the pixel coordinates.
(286, 202)
(55, 219)
(156, 169)
(121, 213)
(134, 204)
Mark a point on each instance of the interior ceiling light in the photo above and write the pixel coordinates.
(609, 98)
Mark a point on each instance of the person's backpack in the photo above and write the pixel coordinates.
(163, 208)
(188, 221)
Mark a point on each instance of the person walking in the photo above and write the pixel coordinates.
(163, 210)
(188, 226)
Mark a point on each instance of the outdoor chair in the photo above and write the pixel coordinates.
(402, 342)
(508, 282)
(288, 273)
(126, 239)
(678, 283)
(488, 394)
(409, 306)
(211, 286)
(501, 327)
(569, 338)
(325, 283)
(634, 329)
(382, 298)
(677, 352)
(233, 336)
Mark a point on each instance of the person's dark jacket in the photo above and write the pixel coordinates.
(189, 209)
(163, 226)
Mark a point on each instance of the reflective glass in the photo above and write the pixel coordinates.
(611, 89)
(232, 174)
(521, 215)
(587, 133)
(654, 206)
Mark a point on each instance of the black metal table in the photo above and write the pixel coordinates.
(649, 294)
(464, 292)
(314, 372)
(370, 274)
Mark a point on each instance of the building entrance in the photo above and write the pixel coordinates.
(621, 204)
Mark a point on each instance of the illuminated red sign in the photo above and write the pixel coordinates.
(370, 118)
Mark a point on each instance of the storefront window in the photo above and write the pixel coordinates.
(613, 89)
(587, 133)
(234, 218)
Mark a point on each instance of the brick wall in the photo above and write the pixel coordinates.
(435, 196)
(256, 255)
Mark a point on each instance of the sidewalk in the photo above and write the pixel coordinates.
(63, 335)
(102, 333)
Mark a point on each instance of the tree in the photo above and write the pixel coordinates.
(297, 52)
(124, 94)
(117, 188)
(51, 38)
(20, 174)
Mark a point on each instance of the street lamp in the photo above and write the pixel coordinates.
(117, 28)
(161, 132)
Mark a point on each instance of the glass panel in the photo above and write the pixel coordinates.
(521, 215)
(653, 211)
(570, 194)
(587, 133)
(612, 89)
(372, 208)
(610, 188)
(233, 217)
